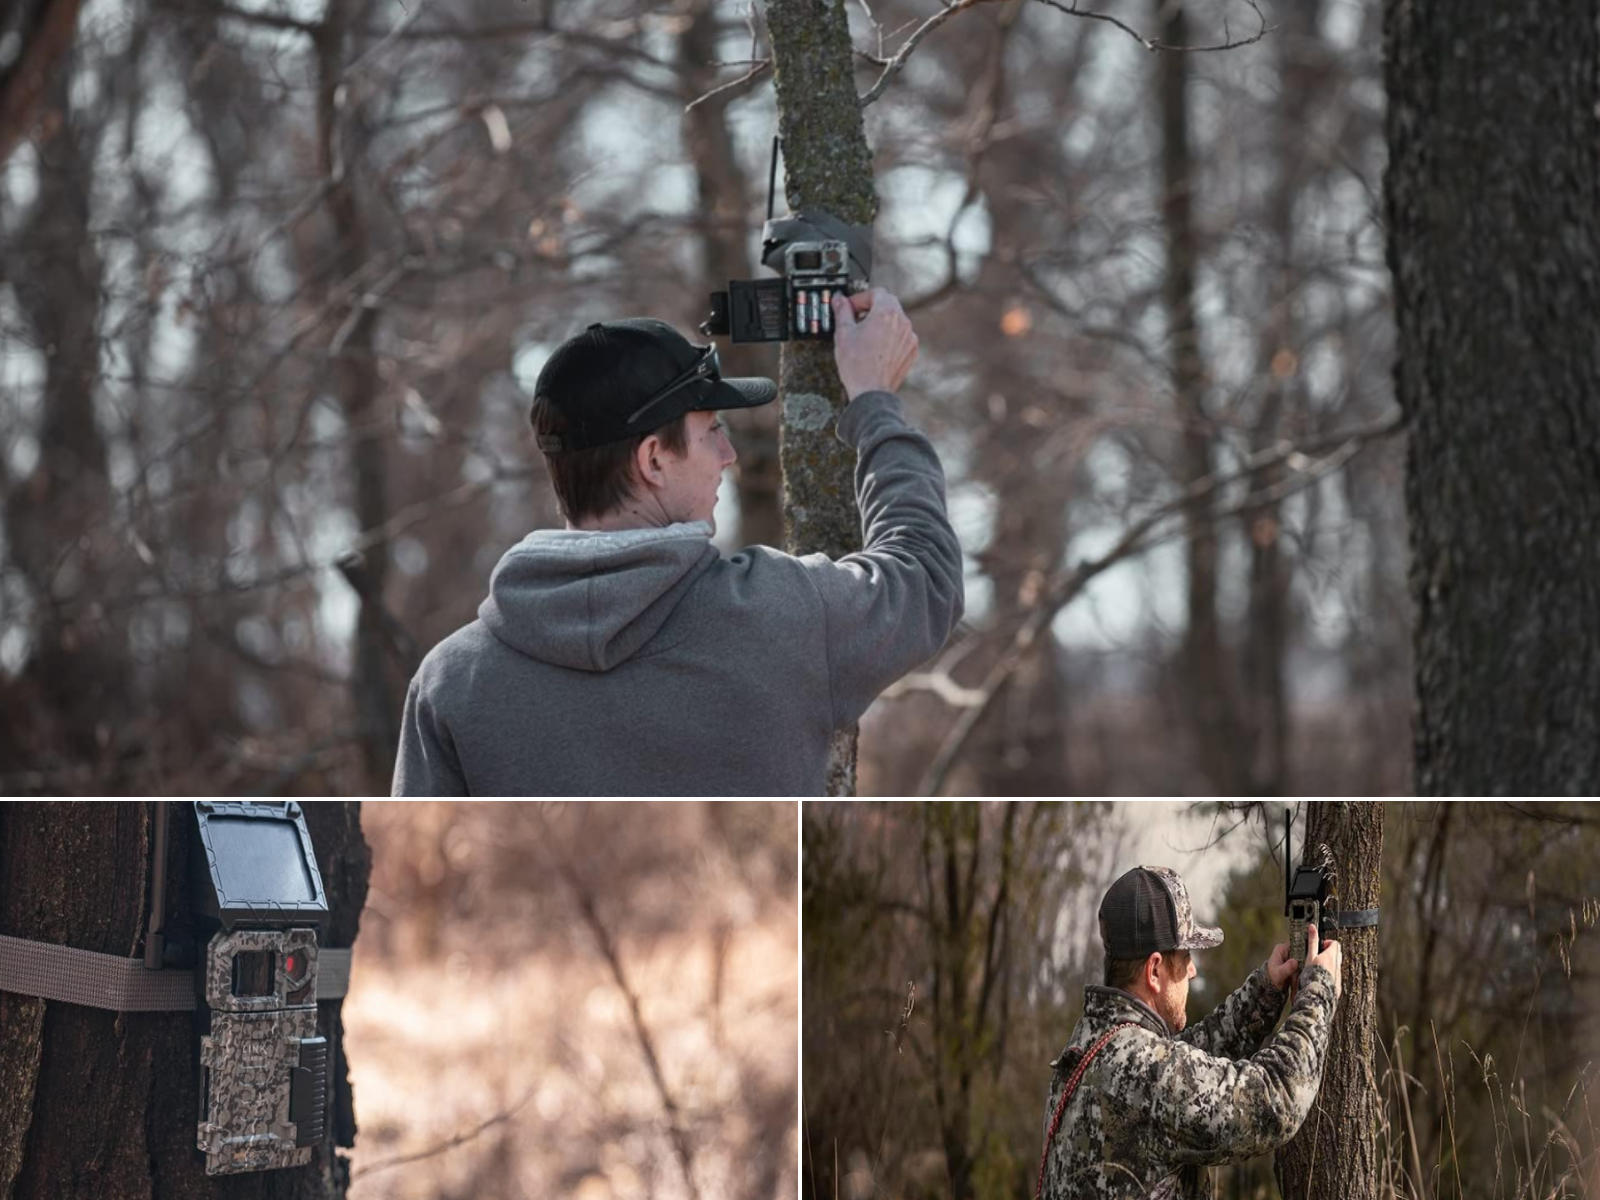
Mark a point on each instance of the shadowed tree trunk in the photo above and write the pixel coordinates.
(1493, 194)
(96, 1103)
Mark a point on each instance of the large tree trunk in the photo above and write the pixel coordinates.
(1335, 1154)
(102, 1104)
(827, 165)
(1493, 196)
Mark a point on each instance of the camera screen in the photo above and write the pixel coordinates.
(808, 260)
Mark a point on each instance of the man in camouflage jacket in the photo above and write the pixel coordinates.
(1161, 1103)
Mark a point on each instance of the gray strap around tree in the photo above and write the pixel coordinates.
(1355, 918)
(75, 976)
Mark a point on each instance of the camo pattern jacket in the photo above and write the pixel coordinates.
(1154, 1111)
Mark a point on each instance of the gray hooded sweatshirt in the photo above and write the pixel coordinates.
(643, 662)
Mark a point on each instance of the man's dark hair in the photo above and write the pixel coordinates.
(590, 483)
(1125, 972)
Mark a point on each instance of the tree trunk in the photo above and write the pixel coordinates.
(375, 691)
(1206, 672)
(1493, 194)
(68, 701)
(722, 196)
(1335, 1154)
(827, 165)
(1024, 745)
(1265, 638)
(45, 29)
(96, 1103)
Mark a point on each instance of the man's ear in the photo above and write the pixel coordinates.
(647, 462)
(1152, 970)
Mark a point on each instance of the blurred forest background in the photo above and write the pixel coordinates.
(276, 276)
(1487, 1000)
(594, 1001)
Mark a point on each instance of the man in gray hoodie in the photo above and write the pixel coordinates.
(624, 655)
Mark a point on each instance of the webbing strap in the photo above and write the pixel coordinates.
(75, 976)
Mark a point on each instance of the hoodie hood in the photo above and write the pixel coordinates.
(590, 601)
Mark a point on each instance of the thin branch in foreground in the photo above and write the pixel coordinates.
(460, 1139)
(894, 65)
(1156, 45)
(608, 950)
(750, 76)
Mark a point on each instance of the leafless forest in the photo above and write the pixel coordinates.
(276, 277)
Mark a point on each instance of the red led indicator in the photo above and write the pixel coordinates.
(291, 964)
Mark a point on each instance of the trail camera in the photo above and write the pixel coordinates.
(264, 1072)
(817, 257)
(1308, 896)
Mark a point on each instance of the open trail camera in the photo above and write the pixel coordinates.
(816, 256)
(264, 1072)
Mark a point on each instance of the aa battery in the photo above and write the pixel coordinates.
(827, 310)
(799, 311)
(816, 316)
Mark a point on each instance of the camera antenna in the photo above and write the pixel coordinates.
(772, 176)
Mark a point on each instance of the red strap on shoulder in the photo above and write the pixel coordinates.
(1066, 1094)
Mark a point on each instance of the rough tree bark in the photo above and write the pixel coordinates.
(1493, 194)
(96, 1103)
(826, 165)
(1335, 1154)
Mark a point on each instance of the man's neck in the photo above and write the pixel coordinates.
(630, 516)
(1148, 1001)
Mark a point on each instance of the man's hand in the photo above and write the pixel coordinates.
(873, 343)
(1281, 969)
(1331, 956)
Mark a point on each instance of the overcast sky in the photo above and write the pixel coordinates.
(1164, 833)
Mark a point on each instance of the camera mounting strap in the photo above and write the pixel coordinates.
(74, 976)
(1355, 918)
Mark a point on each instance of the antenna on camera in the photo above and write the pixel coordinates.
(772, 176)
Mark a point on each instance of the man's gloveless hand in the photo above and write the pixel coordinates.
(873, 342)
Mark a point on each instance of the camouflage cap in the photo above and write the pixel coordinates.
(1148, 910)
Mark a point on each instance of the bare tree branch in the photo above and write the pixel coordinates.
(1141, 536)
(460, 1139)
(584, 898)
(895, 64)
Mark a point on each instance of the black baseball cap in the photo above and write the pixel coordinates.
(1148, 911)
(620, 379)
